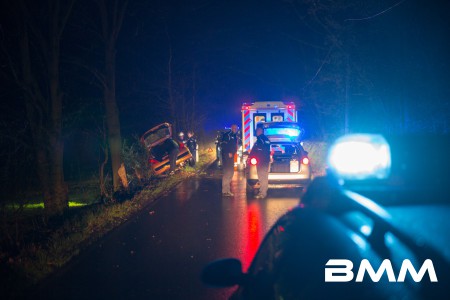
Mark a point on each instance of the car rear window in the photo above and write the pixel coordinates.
(285, 149)
(156, 135)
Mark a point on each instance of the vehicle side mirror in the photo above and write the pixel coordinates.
(223, 273)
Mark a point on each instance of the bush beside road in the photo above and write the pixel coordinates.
(59, 244)
(317, 152)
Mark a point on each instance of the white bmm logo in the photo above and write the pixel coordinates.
(344, 272)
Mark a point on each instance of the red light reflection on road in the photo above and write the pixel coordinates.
(253, 234)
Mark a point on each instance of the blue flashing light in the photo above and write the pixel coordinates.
(360, 156)
(291, 132)
(366, 230)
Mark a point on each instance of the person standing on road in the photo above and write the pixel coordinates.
(229, 145)
(191, 143)
(261, 151)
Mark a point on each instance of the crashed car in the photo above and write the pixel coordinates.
(290, 165)
(375, 227)
(157, 141)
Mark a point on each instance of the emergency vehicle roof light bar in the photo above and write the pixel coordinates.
(360, 156)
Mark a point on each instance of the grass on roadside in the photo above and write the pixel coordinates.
(37, 260)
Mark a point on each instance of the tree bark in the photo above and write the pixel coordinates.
(43, 100)
(111, 16)
(112, 113)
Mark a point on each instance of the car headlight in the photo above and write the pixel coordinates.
(360, 156)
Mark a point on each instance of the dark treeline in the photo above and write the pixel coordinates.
(80, 77)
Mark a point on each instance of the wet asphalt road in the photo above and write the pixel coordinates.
(160, 253)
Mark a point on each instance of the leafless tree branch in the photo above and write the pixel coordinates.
(377, 14)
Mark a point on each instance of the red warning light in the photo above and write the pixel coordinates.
(305, 160)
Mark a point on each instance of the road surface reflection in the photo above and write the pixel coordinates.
(248, 220)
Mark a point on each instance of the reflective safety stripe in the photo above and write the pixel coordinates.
(247, 126)
(290, 115)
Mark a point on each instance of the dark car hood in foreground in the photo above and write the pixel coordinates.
(428, 224)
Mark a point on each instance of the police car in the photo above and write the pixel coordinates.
(290, 165)
(375, 227)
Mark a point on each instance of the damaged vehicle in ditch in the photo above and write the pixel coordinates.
(158, 141)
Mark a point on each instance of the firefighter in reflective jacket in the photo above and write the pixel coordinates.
(261, 151)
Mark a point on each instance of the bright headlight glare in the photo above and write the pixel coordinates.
(360, 156)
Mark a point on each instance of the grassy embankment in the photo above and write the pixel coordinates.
(86, 223)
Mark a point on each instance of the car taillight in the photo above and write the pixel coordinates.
(253, 161)
(152, 161)
(305, 161)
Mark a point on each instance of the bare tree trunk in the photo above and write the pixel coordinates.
(43, 102)
(112, 14)
(193, 114)
(56, 149)
(112, 114)
(170, 90)
(103, 190)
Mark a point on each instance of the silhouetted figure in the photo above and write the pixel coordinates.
(173, 148)
(261, 151)
(229, 145)
(191, 143)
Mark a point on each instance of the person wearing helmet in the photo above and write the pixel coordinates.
(181, 138)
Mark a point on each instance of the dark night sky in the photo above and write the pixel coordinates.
(239, 49)
(267, 50)
(248, 50)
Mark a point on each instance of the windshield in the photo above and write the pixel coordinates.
(284, 149)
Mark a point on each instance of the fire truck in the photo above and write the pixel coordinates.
(263, 111)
